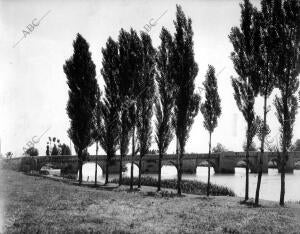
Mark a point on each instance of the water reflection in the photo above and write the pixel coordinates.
(88, 172)
(168, 172)
(270, 184)
(203, 171)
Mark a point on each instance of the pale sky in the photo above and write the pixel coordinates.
(33, 90)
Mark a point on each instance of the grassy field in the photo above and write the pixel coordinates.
(39, 205)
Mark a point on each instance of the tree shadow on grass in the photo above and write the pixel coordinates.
(251, 204)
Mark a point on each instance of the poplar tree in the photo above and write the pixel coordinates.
(185, 71)
(130, 51)
(286, 61)
(135, 68)
(124, 84)
(97, 128)
(247, 83)
(109, 130)
(145, 99)
(211, 110)
(164, 103)
(81, 79)
(263, 59)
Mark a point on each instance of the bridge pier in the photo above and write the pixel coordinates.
(289, 166)
(254, 163)
(225, 163)
(189, 166)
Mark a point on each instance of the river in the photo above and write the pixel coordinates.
(270, 187)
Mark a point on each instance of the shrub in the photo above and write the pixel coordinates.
(9, 155)
(27, 164)
(65, 150)
(32, 151)
(70, 176)
(188, 186)
(68, 169)
(219, 148)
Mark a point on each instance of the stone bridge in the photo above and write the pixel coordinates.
(224, 162)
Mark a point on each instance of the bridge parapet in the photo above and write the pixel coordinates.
(222, 162)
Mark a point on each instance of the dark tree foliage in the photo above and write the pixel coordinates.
(265, 67)
(54, 151)
(185, 71)
(109, 128)
(136, 64)
(97, 128)
(252, 147)
(124, 93)
(164, 103)
(81, 79)
(32, 151)
(286, 61)
(211, 110)
(145, 98)
(65, 149)
(263, 128)
(47, 150)
(219, 148)
(246, 84)
(130, 50)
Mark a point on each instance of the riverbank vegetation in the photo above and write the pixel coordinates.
(188, 186)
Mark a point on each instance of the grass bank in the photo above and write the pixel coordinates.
(187, 186)
(39, 205)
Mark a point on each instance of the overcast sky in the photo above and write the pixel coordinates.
(33, 86)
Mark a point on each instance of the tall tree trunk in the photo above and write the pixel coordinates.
(132, 158)
(107, 168)
(96, 163)
(208, 178)
(177, 167)
(262, 149)
(121, 169)
(284, 154)
(159, 171)
(140, 170)
(247, 170)
(80, 163)
(282, 187)
(179, 174)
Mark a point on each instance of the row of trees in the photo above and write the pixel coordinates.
(139, 81)
(59, 149)
(266, 56)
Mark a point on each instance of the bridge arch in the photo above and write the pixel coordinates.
(168, 163)
(273, 163)
(297, 164)
(88, 171)
(205, 163)
(127, 171)
(242, 164)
